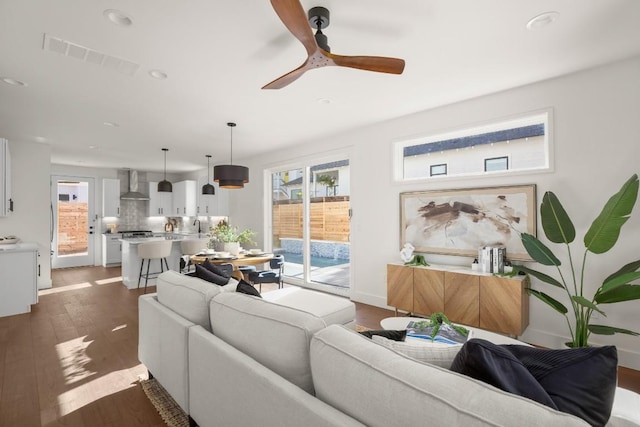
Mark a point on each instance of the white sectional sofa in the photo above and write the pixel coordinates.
(292, 359)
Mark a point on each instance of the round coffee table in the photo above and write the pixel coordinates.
(398, 323)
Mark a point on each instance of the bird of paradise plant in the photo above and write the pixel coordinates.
(601, 237)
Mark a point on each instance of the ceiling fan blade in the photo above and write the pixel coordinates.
(380, 64)
(288, 78)
(295, 19)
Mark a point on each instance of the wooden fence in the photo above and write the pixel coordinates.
(329, 219)
(72, 228)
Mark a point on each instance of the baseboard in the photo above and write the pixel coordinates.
(370, 299)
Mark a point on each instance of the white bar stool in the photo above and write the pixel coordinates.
(153, 250)
(192, 247)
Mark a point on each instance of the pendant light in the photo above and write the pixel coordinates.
(165, 186)
(208, 188)
(231, 176)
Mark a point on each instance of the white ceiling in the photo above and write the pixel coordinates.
(218, 54)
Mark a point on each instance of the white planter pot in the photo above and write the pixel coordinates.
(232, 247)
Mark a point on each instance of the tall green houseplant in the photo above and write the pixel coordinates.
(601, 236)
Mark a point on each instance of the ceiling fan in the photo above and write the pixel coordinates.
(319, 55)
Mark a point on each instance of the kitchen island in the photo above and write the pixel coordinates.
(131, 262)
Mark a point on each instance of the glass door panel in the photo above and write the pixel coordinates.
(73, 222)
(329, 221)
(310, 221)
(287, 220)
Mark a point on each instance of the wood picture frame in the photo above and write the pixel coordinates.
(460, 221)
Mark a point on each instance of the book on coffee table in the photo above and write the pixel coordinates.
(446, 334)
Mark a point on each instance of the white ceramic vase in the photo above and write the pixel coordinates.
(232, 247)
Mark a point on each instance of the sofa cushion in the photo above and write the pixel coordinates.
(274, 335)
(187, 296)
(435, 353)
(555, 378)
(331, 308)
(380, 387)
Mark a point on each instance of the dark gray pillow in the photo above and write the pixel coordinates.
(215, 269)
(580, 381)
(209, 276)
(399, 335)
(247, 288)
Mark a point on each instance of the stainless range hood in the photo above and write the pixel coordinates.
(132, 191)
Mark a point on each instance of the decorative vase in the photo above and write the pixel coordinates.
(232, 247)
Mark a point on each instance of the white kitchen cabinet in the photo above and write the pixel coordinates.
(18, 278)
(160, 203)
(110, 197)
(207, 203)
(6, 204)
(212, 205)
(184, 198)
(111, 249)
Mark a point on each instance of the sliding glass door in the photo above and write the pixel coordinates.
(309, 212)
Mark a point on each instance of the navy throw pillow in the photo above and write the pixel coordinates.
(247, 288)
(215, 269)
(209, 276)
(389, 334)
(580, 381)
(495, 365)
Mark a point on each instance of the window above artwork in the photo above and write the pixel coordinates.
(502, 147)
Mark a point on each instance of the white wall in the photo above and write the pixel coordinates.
(30, 164)
(596, 145)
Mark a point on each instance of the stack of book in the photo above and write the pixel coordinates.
(492, 259)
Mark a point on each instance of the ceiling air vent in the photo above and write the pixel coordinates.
(74, 50)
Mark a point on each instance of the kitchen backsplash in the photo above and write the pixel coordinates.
(134, 213)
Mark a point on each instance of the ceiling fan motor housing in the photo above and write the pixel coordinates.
(319, 19)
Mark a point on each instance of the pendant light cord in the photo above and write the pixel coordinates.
(231, 126)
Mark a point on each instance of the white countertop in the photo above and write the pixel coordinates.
(173, 237)
(19, 247)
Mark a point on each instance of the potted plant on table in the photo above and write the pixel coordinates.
(231, 237)
(601, 236)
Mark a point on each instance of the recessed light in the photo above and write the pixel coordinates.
(117, 17)
(157, 74)
(94, 147)
(111, 124)
(542, 20)
(323, 101)
(14, 82)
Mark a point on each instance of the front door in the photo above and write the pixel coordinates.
(73, 221)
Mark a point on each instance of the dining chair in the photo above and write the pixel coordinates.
(274, 274)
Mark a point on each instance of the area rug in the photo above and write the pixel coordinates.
(360, 328)
(171, 413)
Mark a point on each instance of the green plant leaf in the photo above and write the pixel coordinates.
(551, 302)
(586, 303)
(609, 330)
(623, 279)
(545, 278)
(632, 266)
(619, 294)
(605, 229)
(556, 223)
(538, 251)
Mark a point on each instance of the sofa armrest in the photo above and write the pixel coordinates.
(230, 388)
(163, 345)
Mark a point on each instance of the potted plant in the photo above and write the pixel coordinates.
(231, 237)
(601, 236)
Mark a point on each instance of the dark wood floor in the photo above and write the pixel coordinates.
(73, 360)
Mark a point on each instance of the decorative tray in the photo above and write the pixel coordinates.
(9, 240)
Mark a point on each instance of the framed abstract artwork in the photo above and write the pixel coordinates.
(458, 222)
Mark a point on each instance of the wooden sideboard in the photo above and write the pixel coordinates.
(498, 304)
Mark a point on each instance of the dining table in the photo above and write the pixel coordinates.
(236, 261)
